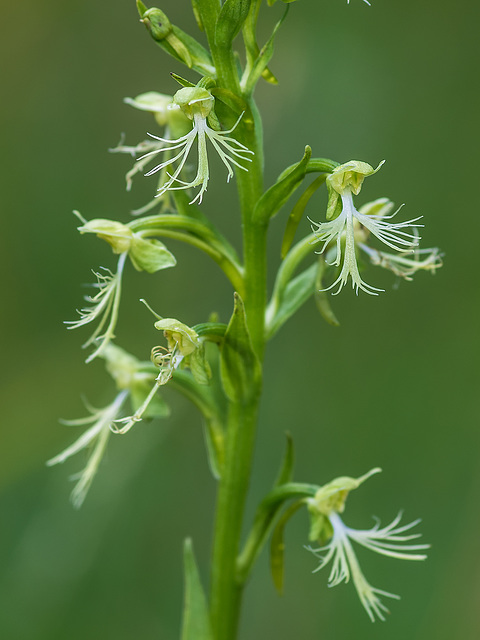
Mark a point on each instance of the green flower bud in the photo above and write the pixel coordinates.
(157, 23)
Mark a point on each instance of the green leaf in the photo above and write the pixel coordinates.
(286, 470)
(239, 365)
(196, 619)
(277, 547)
(276, 196)
(264, 57)
(295, 295)
(297, 213)
(230, 20)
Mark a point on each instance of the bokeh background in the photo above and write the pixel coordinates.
(395, 386)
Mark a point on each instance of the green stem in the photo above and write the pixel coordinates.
(226, 591)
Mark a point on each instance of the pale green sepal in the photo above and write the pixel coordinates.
(276, 196)
(322, 299)
(179, 336)
(199, 366)
(118, 235)
(194, 100)
(239, 366)
(331, 499)
(230, 20)
(346, 176)
(332, 496)
(277, 546)
(158, 103)
(295, 295)
(150, 255)
(264, 57)
(334, 205)
(196, 623)
(297, 213)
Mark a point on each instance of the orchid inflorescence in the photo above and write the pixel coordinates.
(218, 366)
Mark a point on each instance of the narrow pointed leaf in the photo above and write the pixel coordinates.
(263, 58)
(297, 213)
(276, 196)
(277, 547)
(286, 470)
(215, 443)
(196, 619)
(296, 294)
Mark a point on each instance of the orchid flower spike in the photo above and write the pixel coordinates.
(326, 524)
(343, 183)
(197, 104)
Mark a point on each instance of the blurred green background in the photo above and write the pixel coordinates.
(395, 386)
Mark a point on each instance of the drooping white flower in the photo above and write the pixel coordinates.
(133, 379)
(326, 524)
(197, 104)
(184, 345)
(104, 308)
(405, 265)
(95, 436)
(346, 181)
(387, 541)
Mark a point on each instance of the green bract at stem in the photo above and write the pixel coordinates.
(295, 256)
(265, 520)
